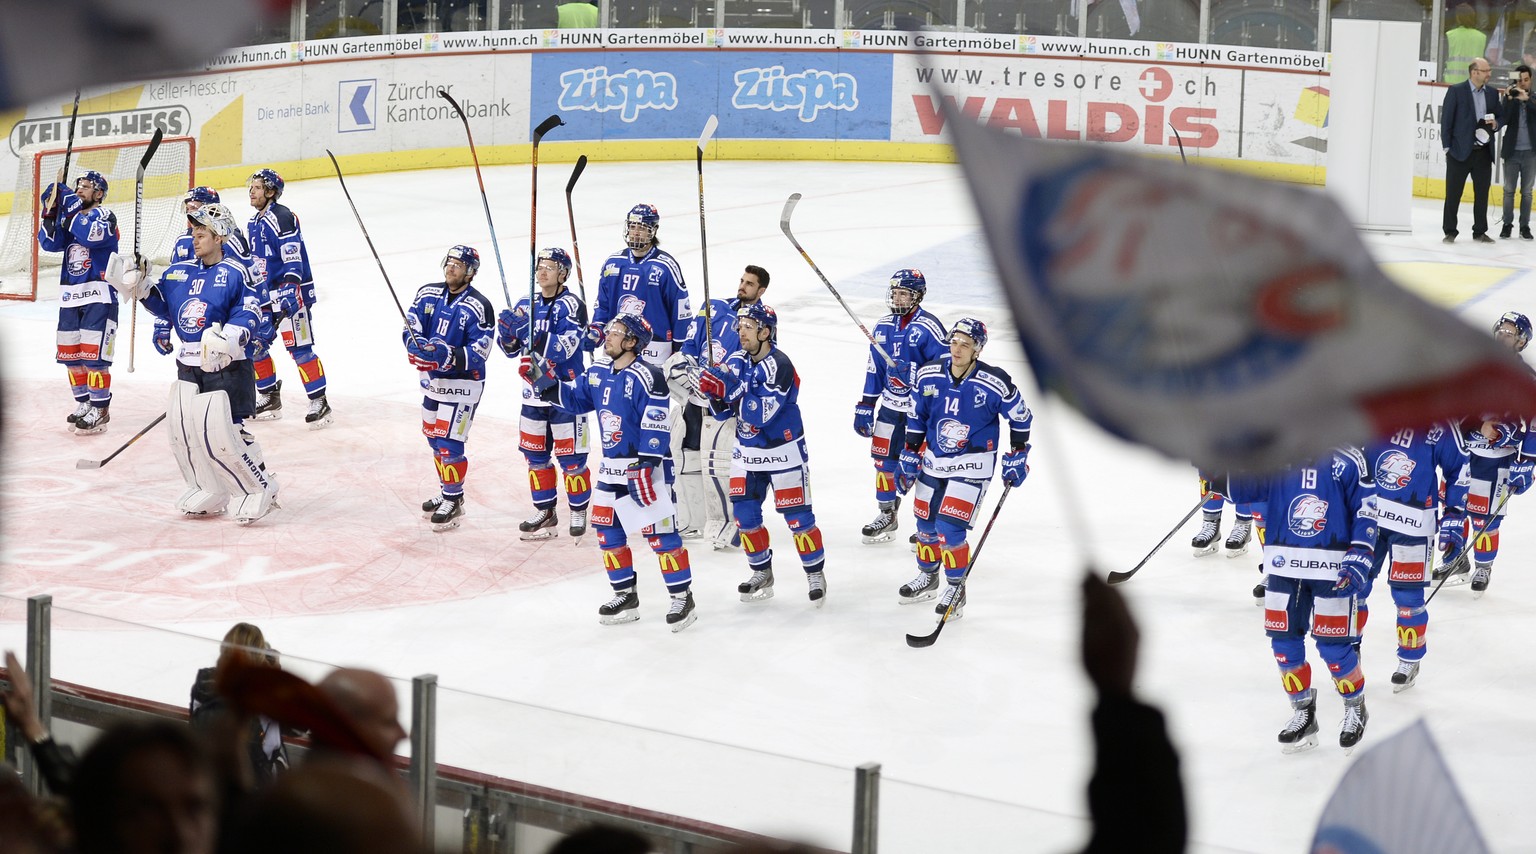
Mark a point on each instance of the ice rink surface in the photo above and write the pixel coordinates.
(755, 716)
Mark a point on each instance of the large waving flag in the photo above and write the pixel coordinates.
(1227, 320)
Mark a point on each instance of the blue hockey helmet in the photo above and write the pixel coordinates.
(466, 255)
(558, 256)
(908, 279)
(96, 179)
(645, 216)
(268, 179)
(1521, 324)
(762, 315)
(216, 218)
(201, 195)
(635, 327)
(971, 328)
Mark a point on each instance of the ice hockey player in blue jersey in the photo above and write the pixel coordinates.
(448, 337)
(282, 270)
(557, 325)
(643, 279)
(911, 337)
(1502, 452)
(1213, 488)
(631, 400)
(1408, 467)
(757, 384)
(211, 304)
(949, 455)
(236, 246)
(1319, 545)
(86, 233)
(703, 447)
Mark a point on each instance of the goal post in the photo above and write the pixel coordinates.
(23, 265)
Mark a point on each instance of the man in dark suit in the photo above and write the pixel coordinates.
(1469, 118)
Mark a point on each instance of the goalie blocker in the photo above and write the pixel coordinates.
(218, 460)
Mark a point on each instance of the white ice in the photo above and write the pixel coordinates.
(755, 716)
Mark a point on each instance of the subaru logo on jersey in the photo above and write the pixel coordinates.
(631, 304)
(192, 316)
(953, 435)
(612, 426)
(1277, 561)
(656, 413)
(1394, 470)
(1308, 516)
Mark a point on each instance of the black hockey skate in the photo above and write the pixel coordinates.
(1204, 542)
(1260, 589)
(1238, 538)
(818, 587)
(950, 591)
(1480, 579)
(578, 527)
(1407, 673)
(319, 414)
(758, 588)
(1300, 731)
(1353, 728)
(446, 516)
(1458, 570)
(269, 404)
(920, 589)
(883, 527)
(93, 422)
(540, 526)
(680, 616)
(81, 408)
(624, 607)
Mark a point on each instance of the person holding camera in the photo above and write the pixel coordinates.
(1519, 151)
(1469, 118)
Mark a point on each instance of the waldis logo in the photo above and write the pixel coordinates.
(1138, 115)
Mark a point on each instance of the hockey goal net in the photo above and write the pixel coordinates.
(168, 177)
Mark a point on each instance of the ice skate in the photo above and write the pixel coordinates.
(448, 513)
(818, 587)
(578, 527)
(883, 527)
(950, 592)
(691, 533)
(1407, 673)
(93, 422)
(1204, 542)
(759, 587)
(1237, 540)
(1260, 589)
(540, 526)
(319, 415)
(920, 589)
(256, 506)
(1353, 728)
(1480, 579)
(680, 616)
(81, 408)
(269, 403)
(196, 502)
(1300, 731)
(1458, 570)
(624, 607)
(429, 506)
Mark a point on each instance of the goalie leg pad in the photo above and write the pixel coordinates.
(237, 457)
(206, 493)
(716, 443)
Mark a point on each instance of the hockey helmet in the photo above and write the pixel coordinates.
(762, 315)
(95, 179)
(1520, 322)
(216, 218)
(971, 328)
(201, 195)
(635, 327)
(270, 180)
(646, 216)
(466, 255)
(909, 279)
(559, 257)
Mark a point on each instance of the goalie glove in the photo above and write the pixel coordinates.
(682, 374)
(221, 346)
(130, 280)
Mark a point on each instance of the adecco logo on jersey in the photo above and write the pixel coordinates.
(1138, 113)
(173, 119)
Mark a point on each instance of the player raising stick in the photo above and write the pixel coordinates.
(758, 385)
(958, 402)
(448, 341)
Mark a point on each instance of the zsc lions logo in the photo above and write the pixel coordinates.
(952, 435)
(1308, 516)
(193, 316)
(612, 426)
(631, 304)
(1394, 470)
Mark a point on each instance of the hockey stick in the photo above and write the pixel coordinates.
(1451, 565)
(544, 127)
(1117, 577)
(96, 464)
(709, 324)
(138, 231)
(484, 200)
(376, 258)
(570, 212)
(921, 641)
(69, 149)
(789, 209)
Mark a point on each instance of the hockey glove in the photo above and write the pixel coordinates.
(1453, 534)
(1520, 475)
(437, 355)
(131, 281)
(642, 486)
(511, 329)
(1354, 570)
(286, 298)
(864, 418)
(720, 383)
(222, 345)
(906, 470)
(266, 333)
(540, 374)
(414, 352)
(594, 336)
(1016, 466)
(162, 337)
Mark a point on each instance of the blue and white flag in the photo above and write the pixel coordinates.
(1231, 321)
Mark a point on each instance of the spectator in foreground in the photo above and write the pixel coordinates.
(264, 741)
